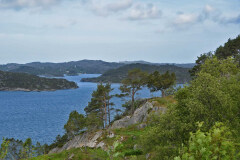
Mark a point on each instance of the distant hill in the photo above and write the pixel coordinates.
(59, 69)
(116, 75)
(75, 67)
(27, 82)
(184, 65)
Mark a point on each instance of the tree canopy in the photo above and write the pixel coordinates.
(76, 123)
(213, 96)
(157, 81)
(134, 82)
(100, 104)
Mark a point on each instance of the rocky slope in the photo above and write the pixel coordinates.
(94, 140)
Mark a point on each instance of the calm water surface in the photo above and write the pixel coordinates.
(42, 115)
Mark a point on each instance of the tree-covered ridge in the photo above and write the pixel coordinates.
(74, 67)
(117, 75)
(59, 69)
(27, 82)
(230, 49)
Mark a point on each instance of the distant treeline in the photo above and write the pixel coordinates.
(74, 67)
(117, 75)
(59, 69)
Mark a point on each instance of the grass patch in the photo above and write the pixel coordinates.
(77, 154)
(163, 101)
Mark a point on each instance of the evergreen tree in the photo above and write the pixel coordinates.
(4, 148)
(132, 84)
(100, 104)
(230, 49)
(200, 60)
(76, 123)
(158, 82)
(27, 149)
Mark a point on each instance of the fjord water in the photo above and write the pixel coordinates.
(42, 115)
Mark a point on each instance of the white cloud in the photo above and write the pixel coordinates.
(183, 19)
(208, 9)
(106, 9)
(141, 12)
(20, 4)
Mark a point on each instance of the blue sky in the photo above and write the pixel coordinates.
(175, 31)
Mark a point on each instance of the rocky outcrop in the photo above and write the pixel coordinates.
(140, 116)
(84, 140)
(92, 140)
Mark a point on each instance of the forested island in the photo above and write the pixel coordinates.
(118, 74)
(25, 82)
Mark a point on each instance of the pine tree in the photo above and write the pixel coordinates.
(132, 84)
(100, 104)
(158, 82)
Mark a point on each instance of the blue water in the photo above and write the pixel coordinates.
(42, 115)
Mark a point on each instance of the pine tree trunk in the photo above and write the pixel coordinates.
(109, 118)
(105, 110)
(132, 106)
(163, 93)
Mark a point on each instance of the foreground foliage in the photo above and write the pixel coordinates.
(216, 144)
(213, 96)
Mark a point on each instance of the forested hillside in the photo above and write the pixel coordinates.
(117, 75)
(74, 67)
(59, 69)
(26, 82)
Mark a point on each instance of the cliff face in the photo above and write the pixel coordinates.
(93, 140)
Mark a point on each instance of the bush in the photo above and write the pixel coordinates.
(215, 144)
(213, 96)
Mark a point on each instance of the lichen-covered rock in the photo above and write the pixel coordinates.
(121, 123)
(85, 140)
(139, 116)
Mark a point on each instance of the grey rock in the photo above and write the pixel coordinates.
(85, 140)
(71, 157)
(111, 135)
(142, 125)
(139, 116)
(135, 147)
(121, 123)
(148, 156)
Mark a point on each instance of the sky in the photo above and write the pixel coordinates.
(160, 31)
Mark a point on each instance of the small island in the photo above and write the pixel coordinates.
(25, 82)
